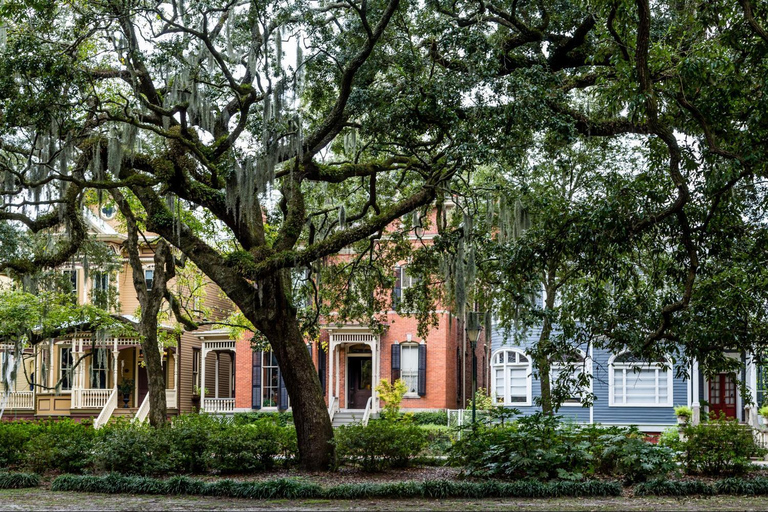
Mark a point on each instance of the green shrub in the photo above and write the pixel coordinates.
(720, 447)
(191, 441)
(18, 480)
(429, 418)
(253, 446)
(439, 440)
(635, 459)
(379, 445)
(291, 489)
(244, 418)
(62, 444)
(14, 435)
(670, 438)
(542, 447)
(134, 448)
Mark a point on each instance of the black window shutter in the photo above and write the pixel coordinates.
(395, 362)
(321, 368)
(422, 369)
(256, 380)
(283, 399)
(397, 292)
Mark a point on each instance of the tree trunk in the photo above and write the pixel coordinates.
(544, 350)
(310, 414)
(158, 411)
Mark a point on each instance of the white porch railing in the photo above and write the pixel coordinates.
(18, 400)
(332, 408)
(90, 398)
(107, 411)
(367, 413)
(218, 405)
(143, 410)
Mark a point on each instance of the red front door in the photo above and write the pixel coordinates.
(722, 395)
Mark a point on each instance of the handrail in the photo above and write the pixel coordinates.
(143, 411)
(368, 409)
(332, 407)
(107, 411)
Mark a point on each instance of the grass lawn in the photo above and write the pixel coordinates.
(42, 499)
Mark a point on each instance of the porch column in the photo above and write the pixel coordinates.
(216, 373)
(78, 376)
(338, 377)
(331, 349)
(203, 353)
(750, 378)
(375, 375)
(695, 405)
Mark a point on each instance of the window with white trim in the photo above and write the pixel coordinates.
(70, 281)
(638, 383)
(100, 290)
(65, 368)
(409, 367)
(577, 366)
(403, 281)
(511, 377)
(271, 380)
(99, 368)
(149, 278)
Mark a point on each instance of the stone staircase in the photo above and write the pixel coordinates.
(345, 417)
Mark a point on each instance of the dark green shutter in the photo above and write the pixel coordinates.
(395, 362)
(256, 380)
(422, 369)
(283, 396)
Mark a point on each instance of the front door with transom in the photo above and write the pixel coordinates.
(722, 395)
(359, 381)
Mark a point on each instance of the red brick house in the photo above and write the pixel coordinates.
(351, 361)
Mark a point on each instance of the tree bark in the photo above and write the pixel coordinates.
(158, 411)
(313, 424)
(543, 351)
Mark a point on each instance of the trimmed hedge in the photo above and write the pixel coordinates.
(296, 489)
(18, 480)
(733, 486)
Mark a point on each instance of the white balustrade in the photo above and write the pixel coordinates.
(18, 400)
(332, 407)
(367, 413)
(218, 405)
(108, 409)
(143, 411)
(91, 398)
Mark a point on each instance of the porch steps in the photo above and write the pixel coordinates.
(347, 417)
(125, 413)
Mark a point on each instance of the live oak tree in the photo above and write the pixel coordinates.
(195, 108)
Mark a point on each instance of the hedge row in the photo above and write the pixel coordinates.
(18, 480)
(296, 489)
(737, 486)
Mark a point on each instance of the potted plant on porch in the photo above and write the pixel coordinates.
(126, 388)
(196, 396)
(683, 413)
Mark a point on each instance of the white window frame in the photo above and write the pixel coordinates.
(146, 271)
(628, 369)
(75, 286)
(584, 367)
(506, 366)
(267, 358)
(97, 276)
(66, 370)
(414, 373)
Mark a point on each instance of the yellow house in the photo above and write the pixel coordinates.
(83, 376)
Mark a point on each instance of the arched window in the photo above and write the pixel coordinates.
(511, 377)
(577, 365)
(638, 383)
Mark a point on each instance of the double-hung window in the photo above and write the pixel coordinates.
(403, 281)
(511, 377)
(100, 291)
(99, 368)
(638, 383)
(149, 278)
(409, 370)
(271, 380)
(65, 365)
